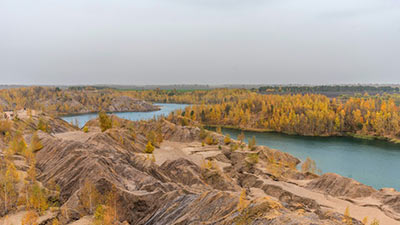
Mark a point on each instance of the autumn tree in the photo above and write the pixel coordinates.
(106, 214)
(5, 126)
(9, 179)
(241, 137)
(365, 220)
(252, 143)
(309, 166)
(155, 137)
(35, 144)
(30, 218)
(243, 203)
(218, 130)
(99, 215)
(112, 203)
(42, 125)
(18, 144)
(105, 121)
(346, 217)
(89, 196)
(227, 139)
(55, 222)
(38, 198)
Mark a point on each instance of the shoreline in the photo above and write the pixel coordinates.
(348, 135)
(96, 112)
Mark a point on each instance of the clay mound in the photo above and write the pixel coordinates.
(336, 185)
(208, 208)
(57, 125)
(391, 205)
(31, 124)
(170, 131)
(182, 171)
(279, 157)
(69, 163)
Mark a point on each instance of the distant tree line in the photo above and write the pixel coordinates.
(330, 88)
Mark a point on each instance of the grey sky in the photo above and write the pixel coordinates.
(199, 41)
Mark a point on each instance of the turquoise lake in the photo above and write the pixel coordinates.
(165, 110)
(375, 163)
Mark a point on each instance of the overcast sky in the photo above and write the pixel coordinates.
(199, 41)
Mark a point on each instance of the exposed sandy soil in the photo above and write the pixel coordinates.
(75, 136)
(170, 150)
(86, 220)
(22, 114)
(358, 209)
(16, 218)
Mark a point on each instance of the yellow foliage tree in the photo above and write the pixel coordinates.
(243, 203)
(347, 218)
(105, 121)
(36, 144)
(252, 143)
(89, 196)
(9, 179)
(149, 148)
(55, 222)
(18, 144)
(365, 220)
(30, 218)
(227, 139)
(309, 166)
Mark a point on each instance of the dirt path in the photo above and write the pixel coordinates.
(16, 218)
(336, 204)
(75, 136)
(170, 150)
(86, 220)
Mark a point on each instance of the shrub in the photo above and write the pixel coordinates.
(218, 130)
(30, 218)
(42, 125)
(241, 137)
(85, 129)
(252, 143)
(203, 133)
(35, 143)
(210, 140)
(227, 139)
(234, 147)
(5, 126)
(252, 158)
(310, 166)
(375, 222)
(18, 144)
(149, 148)
(243, 203)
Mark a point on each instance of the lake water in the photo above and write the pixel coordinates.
(375, 163)
(165, 110)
